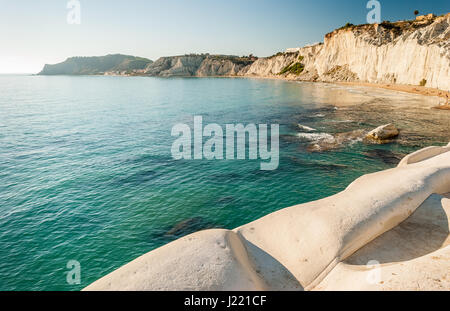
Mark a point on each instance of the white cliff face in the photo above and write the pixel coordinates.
(185, 65)
(379, 56)
(197, 65)
(270, 66)
(216, 67)
(402, 53)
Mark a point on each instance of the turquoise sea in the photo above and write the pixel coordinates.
(86, 171)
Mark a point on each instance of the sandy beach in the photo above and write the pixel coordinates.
(413, 89)
(405, 88)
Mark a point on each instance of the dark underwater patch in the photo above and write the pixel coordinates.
(384, 155)
(316, 164)
(140, 177)
(183, 228)
(149, 159)
(226, 199)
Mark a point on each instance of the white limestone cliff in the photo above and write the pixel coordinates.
(197, 65)
(399, 217)
(269, 66)
(406, 52)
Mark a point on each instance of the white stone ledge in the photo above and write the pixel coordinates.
(318, 245)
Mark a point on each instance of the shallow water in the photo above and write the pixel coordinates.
(86, 171)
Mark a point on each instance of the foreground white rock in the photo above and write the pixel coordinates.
(415, 255)
(321, 245)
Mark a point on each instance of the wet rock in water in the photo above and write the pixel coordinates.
(306, 128)
(188, 226)
(386, 156)
(326, 142)
(320, 165)
(288, 138)
(383, 133)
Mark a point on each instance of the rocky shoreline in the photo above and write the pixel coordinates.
(364, 54)
(386, 231)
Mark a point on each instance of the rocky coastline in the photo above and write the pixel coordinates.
(364, 54)
(386, 231)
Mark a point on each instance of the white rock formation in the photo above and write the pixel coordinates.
(198, 65)
(398, 217)
(383, 132)
(405, 52)
(415, 255)
(269, 66)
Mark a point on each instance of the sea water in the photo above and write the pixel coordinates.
(87, 175)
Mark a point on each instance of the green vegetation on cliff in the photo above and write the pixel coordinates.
(238, 60)
(294, 68)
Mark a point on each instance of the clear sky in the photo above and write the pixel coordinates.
(33, 32)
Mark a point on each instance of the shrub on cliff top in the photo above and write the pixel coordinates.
(275, 55)
(423, 82)
(282, 54)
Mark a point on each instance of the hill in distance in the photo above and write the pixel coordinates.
(97, 65)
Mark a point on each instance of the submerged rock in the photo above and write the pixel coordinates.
(383, 133)
(325, 142)
(386, 156)
(306, 128)
(226, 199)
(188, 226)
(317, 165)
